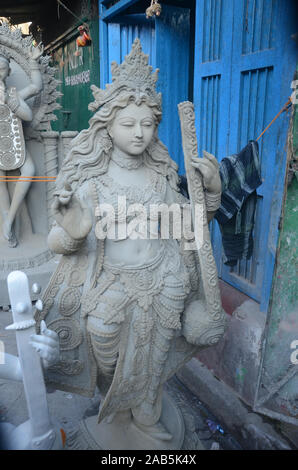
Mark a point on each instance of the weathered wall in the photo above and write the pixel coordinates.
(77, 67)
(76, 73)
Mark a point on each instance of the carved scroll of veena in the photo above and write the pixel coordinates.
(196, 194)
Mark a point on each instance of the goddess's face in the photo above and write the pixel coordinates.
(133, 129)
(4, 69)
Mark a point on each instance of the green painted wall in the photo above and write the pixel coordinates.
(76, 75)
(278, 371)
(285, 291)
(295, 124)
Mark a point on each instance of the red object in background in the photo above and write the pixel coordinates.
(231, 298)
(84, 39)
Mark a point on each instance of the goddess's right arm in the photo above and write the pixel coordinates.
(61, 243)
(73, 223)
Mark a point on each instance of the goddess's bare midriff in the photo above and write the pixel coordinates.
(130, 252)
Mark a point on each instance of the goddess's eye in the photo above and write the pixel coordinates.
(127, 123)
(147, 123)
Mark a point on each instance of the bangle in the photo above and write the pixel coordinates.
(69, 243)
(13, 101)
(213, 201)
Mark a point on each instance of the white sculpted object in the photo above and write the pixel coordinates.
(38, 433)
(123, 306)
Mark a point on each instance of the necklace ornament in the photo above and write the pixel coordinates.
(125, 161)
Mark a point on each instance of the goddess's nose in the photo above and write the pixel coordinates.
(138, 130)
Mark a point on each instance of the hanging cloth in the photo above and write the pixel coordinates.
(240, 177)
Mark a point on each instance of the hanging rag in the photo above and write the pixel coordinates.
(240, 176)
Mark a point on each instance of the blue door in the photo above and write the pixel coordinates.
(166, 40)
(244, 64)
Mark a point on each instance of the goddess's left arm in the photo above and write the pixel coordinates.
(16, 99)
(36, 80)
(209, 171)
(212, 204)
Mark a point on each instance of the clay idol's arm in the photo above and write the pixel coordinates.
(11, 369)
(213, 201)
(24, 111)
(18, 105)
(73, 220)
(34, 88)
(208, 169)
(36, 79)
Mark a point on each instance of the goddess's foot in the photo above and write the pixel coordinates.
(9, 234)
(12, 241)
(157, 431)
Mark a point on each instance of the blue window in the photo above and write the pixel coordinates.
(244, 64)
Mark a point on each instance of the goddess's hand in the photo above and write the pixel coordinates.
(47, 345)
(36, 51)
(72, 214)
(209, 169)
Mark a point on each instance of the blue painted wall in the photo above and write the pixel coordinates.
(244, 64)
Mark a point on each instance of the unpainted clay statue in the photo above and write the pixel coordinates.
(13, 152)
(128, 310)
(39, 432)
(29, 157)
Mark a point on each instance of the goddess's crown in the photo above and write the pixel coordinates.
(134, 74)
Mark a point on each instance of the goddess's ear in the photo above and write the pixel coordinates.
(109, 130)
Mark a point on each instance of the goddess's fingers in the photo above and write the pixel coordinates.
(44, 352)
(49, 333)
(205, 166)
(211, 158)
(44, 340)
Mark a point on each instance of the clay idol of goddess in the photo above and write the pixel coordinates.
(123, 306)
(14, 154)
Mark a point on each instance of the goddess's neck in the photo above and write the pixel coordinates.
(124, 160)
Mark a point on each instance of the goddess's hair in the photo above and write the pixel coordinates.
(90, 151)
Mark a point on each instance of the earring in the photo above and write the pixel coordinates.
(106, 141)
